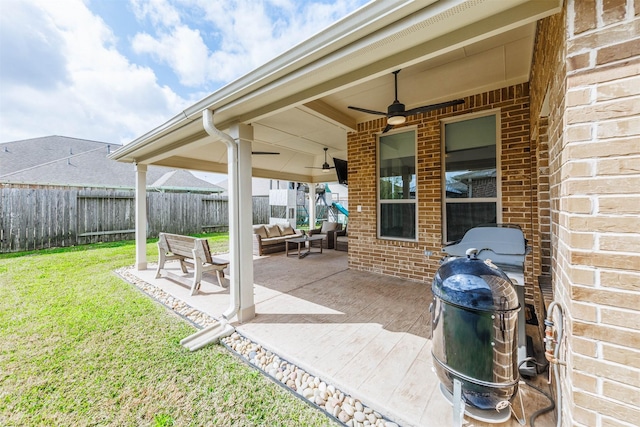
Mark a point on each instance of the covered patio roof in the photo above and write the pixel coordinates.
(297, 103)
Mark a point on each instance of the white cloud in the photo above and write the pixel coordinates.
(98, 94)
(160, 12)
(183, 50)
(248, 34)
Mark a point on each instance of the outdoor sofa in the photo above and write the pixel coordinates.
(270, 238)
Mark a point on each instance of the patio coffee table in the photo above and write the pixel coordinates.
(302, 242)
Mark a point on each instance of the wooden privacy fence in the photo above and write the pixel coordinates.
(43, 218)
(261, 209)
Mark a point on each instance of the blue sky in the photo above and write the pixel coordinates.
(112, 70)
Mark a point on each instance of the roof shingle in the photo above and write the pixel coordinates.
(59, 160)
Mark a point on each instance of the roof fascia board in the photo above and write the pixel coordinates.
(189, 132)
(195, 140)
(173, 125)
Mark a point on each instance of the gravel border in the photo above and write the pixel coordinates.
(337, 405)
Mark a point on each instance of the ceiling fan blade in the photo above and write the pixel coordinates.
(265, 153)
(364, 110)
(426, 108)
(325, 166)
(387, 128)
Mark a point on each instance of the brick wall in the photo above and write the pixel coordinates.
(601, 208)
(407, 259)
(543, 238)
(547, 90)
(594, 151)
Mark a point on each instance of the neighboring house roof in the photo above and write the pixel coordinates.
(479, 174)
(259, 186)
(59, 160)
(183, 180)
(456, 184)
(456, 187)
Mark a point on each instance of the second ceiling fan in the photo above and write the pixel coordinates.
(396, 113)
(325, 166)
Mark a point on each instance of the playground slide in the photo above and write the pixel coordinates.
(340, 208)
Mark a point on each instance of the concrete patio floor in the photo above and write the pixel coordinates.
(365, 333)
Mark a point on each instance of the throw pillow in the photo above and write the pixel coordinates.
(272, 230)
(260, 231)
(286, 230)
(328, 226)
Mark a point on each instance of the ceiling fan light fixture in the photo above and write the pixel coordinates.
(395, 112)
(396, 120)
(325, 168)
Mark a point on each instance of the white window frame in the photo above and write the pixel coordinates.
(380, 202)
(443, 180)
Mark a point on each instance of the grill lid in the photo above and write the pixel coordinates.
(475, 284)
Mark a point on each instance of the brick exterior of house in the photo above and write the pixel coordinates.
(407, 259)
(570, 163)
(587, 62)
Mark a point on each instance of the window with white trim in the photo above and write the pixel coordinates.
(471, 168)
(397, 207)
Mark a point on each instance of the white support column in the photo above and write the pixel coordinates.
(243, 134)
(312, 205)
(141, 216)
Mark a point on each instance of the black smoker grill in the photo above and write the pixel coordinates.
(507, 248)
(477, 316)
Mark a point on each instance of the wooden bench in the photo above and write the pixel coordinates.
(190, 251)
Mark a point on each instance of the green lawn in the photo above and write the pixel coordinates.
(79, 346)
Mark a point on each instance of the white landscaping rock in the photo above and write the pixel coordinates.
(348, 409)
